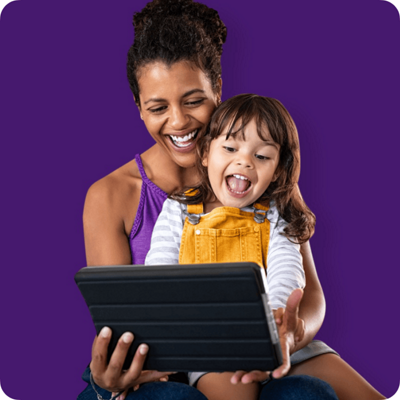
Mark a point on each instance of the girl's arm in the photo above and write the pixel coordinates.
(166, 236)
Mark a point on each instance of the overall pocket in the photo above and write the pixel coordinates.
(228, 245)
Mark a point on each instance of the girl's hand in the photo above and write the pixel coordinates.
(111, 377)
(291, 330)
(299, 330)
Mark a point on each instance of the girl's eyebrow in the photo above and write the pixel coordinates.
(270, 143)
(159, 100)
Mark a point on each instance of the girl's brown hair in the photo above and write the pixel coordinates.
(268, 113)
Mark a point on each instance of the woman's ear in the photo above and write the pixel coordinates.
(204, 161)
(138, 106)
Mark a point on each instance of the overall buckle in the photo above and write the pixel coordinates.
(260, 215)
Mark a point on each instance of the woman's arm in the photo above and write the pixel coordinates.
(107, 243)
(312, 306)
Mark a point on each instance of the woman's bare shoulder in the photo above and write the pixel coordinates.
(115, 196)
(110, 209)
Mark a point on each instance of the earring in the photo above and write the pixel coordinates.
(141, 117)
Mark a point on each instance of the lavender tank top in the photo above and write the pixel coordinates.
(151, 201)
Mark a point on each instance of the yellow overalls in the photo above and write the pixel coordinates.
(226, 234)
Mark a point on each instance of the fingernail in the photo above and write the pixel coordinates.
(105, 332)
(127, 337)
(143, 349)
(121, 397)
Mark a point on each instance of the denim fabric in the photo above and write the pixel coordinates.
(297, 387)
(148, 391)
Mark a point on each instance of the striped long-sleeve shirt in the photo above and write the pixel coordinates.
(284, 262)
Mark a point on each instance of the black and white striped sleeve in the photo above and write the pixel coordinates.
(166, 237)
(284, 263)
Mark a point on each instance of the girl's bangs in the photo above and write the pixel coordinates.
(233, 120)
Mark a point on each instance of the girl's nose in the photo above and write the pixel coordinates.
(178, 119)
(244, 160)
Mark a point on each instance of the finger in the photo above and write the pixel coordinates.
(164, 378)
(134, 372)
(152, 376)
(279, 315)
(300, 330)
(122, 396)
(283, 369)
(237, 376)
(292, 309)
(99, 352)
(117, 359)
(255, 376)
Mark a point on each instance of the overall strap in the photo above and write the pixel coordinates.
(195, 208)
(194, 212)
(260, 212)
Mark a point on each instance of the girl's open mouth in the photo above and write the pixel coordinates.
(238, 184)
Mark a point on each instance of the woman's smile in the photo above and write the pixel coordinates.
(184, 142)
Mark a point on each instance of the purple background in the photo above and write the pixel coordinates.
(68, 119)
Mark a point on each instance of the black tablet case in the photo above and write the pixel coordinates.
(203, 317)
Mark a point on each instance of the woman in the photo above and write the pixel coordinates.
(174, 72)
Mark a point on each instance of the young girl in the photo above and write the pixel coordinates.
(247, 207)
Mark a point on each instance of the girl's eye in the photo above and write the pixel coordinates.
(260, 157)
(229, 149)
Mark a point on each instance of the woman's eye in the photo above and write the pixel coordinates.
(260, 157)
(157, 110)
(229, 149)
(195, 103)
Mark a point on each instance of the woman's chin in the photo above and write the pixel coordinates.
(185, 160)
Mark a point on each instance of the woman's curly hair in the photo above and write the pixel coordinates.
(176, 30)
(231, 117)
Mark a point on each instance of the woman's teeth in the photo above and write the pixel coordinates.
(183, 141)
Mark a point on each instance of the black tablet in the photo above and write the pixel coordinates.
(203, 317)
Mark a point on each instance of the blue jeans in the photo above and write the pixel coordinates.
(148, 391)
(299, 387)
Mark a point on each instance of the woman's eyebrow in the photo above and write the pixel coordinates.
(159, 99)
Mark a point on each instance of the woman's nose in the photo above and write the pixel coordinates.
(178, 119)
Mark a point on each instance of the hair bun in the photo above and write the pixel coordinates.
(176, 30)
(157, 12)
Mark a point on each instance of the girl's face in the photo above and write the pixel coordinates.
(241, 170)
(176, 103)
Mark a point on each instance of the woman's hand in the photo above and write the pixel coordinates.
(112, 377)
(291, 330)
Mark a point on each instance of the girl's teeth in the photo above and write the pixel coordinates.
(240, 177)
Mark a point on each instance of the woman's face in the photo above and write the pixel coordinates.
(176, 103)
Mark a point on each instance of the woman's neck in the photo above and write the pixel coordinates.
(165, 173)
